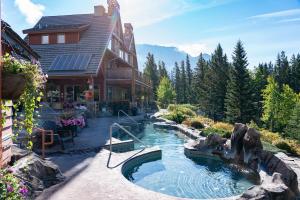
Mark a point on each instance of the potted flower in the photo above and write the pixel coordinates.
(23, 82)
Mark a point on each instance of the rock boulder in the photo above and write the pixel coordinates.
(37, 173)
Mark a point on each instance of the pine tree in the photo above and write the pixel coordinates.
(295, 73)
(183, 82)
(165, 92)
(162, 71)
(261, 74)
(178, 88)
(219, 79)
(282, 70)
(151, 72)
(199, 85)
(293, 128)
(189, 77)
(239, 96)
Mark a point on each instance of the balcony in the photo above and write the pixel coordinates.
(125, 74)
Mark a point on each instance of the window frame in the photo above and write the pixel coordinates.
(64, 38)
(43, 41)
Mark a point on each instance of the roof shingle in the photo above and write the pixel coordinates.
(93, 41)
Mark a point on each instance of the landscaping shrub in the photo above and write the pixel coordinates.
(208, 131)
(194, 122)
(11, 187)
(172, 107)
(204, 120)
(223, 126)
(269, 136)
(176, 116)
(285, 145)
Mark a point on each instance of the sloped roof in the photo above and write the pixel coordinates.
(7, 33)
(93, 42)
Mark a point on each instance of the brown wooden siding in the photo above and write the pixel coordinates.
(7, 136)
(36, 39)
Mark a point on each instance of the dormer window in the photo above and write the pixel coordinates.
(45, 39)
(61, 39)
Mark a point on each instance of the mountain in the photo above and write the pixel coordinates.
(169, 55)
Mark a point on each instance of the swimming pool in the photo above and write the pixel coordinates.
(179, 176)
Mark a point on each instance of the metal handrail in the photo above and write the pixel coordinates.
(122, 111)
(110, 143)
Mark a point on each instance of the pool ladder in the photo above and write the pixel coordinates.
(110, 143)
(129, 117)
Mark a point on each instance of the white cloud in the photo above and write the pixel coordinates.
(284, 13)
(194, 49)
(143, 13)
(290, 20)
(32, 11)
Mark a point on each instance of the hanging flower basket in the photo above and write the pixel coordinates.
(13, 86)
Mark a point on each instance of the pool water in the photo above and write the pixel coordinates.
(179, 176)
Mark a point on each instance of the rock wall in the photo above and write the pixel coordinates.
(245, 149)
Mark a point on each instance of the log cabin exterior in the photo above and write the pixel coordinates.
(89, 53)
(14, 45)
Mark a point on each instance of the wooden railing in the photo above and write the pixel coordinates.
(126, 73)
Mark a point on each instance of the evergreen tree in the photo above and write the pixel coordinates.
(293, 128)
(178, 88)
(200, 88)
(189, 77)
(282, 70)
(165, 92)
(151, 72)
(162, 72)
(183, 83)
(239, 96)
(295, 73)
(261, 74)
(219, 78)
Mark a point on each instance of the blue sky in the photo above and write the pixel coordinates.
(265, 26)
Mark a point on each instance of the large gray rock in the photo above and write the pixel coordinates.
(252, 148)
(271, 189)
(273, 164)
(37, 173)
(236, 139)
(215, 141)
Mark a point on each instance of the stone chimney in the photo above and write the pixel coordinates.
(113, 6)
(128, 29)
(99, 10)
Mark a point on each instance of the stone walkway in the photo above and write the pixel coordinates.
(93, 137)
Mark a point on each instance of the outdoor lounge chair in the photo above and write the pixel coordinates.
(49, 129)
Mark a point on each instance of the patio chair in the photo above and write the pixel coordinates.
(56, 134)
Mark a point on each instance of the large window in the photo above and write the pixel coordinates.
(61, 38)
(45, 39)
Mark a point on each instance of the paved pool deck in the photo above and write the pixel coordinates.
(87, 174)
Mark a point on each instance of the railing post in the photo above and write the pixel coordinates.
(110, 138)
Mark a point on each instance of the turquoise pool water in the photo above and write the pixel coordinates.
(179, 176)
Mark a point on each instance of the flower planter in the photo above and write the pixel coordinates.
(13, 85)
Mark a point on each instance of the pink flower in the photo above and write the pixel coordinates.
(24, 191)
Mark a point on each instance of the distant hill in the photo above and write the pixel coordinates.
(169, 55)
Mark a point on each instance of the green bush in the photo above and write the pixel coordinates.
(223, 126)
(172, 107)
(197, 124)
(11, 187)
(176, 116)
(282, 144)
(223, 133)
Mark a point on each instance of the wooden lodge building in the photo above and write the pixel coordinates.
(89, 55)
